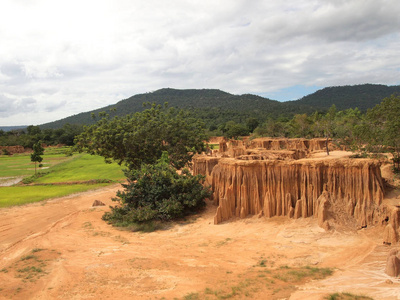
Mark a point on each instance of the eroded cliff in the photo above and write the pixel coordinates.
(277, 183)
(294, 188)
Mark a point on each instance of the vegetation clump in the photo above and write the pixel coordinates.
(346, 296)
(157, 192)
(153, 145)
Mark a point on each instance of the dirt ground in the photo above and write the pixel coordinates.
(61, 249)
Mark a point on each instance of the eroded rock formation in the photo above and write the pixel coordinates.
(393, 263)
(12, 149)
(258, 179)
(289, 144)
(304, 188)
(391, 232)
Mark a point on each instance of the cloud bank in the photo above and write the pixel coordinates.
(59, 58)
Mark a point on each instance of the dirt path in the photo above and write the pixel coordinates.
(9, 181)
(61, 249)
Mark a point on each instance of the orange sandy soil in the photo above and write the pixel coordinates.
(61, 249)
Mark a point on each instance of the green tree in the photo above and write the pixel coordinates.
(38, 151)
(317, 127)
(381, 128)
(300, 126)
(272, 128)
(233, 130)
(157, 192)
(328, 122)
(252, 124)
(345, 124)
(33, 130)
(143, 137)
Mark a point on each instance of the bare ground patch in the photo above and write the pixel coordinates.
(255, 258)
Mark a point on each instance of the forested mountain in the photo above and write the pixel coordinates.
(209, 104)
(216, 107)
(350, 96)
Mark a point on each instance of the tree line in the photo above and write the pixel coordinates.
(376, 130)
(32, 134)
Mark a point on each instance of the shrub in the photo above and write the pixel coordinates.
(157, 192)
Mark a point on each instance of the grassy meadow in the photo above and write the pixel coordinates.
(60, 175)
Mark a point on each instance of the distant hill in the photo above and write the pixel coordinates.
(216, 107)
(209, 103)
(363, 96)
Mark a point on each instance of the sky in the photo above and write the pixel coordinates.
(59, 58)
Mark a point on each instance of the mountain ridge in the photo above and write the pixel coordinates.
(214, 105)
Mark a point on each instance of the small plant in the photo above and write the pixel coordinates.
(284, 267)
(192, 296)
(221, 243)
(30, 269)
(346, 296)
(147, 226)
(34, 250)
(262, 263)
(31, 179)
(396, 164)
(359, 155)
(29, 257)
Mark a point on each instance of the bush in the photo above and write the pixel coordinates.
(31, 179)
(157, 192)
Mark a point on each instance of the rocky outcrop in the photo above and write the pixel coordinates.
(12, 149)
(261, 154)
(264, 148)
(391, 232)
(311, 145)
(97, 203)
(204, 165)
(296, 188)
(393, 263)
(269, 177)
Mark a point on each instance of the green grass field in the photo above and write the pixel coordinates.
(55, 178)
(21, 165)
(83, 167)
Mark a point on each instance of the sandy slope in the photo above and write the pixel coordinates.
(79, 256)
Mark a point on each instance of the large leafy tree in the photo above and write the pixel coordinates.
(143, 137)
(152, 144)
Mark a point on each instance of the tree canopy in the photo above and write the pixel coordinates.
(381, 127)
(143, 137)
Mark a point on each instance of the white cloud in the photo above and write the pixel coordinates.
(74, 56)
